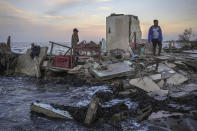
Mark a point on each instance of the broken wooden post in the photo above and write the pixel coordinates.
(92, 110)
(144, 114)
(37, 68)
(9, 42)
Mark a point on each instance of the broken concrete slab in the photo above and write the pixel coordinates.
(178, 123)
(194, 56)
(161, 83)
(26, 65)
(159, 95)
(75, 70)
(113, 70)
(166, 72)
(92, 110)
(189, 88)
(176, 79)
(45, 64)
(50, 111)
(182, 72)
(155, 77)
(124, 93)
(163, 114)
(180, 107)
(183, 95)
(165, 68)
(179, 63)
(145, 84)
(166, 75)
(191, 63)
(119, 117)
(191, 51)
(162, 58)
(171, 65)
(127, 93)
(187, 91)
(87, 65)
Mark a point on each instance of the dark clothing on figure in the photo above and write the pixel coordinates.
(77, 58)
(74, 41)
(156, 42)
(35, 51)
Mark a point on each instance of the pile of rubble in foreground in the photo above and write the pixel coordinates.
(161, 91)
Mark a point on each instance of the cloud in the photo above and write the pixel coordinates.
(104, 8)
(103, 0)
(59, 5)
(8, 8)
(28, 26)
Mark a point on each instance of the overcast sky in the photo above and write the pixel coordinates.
(45, 20)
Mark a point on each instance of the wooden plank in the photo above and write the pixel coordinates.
(37, 67)
(51, 49)
(58, 69)
(92, 110)
(59, 44)
(50, 111)
(67, 51)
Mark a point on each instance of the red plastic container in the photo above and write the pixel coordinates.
(62, 61)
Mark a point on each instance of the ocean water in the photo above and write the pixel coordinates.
(17, 94)
(21, 47)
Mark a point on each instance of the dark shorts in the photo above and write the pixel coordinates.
(156, 42)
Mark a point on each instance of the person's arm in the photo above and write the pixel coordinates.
(72, 41)
(77, 38)
(161, 34)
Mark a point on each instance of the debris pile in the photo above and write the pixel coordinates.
(7, 58)
(141, 87)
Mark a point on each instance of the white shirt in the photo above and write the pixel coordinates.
(155, 33)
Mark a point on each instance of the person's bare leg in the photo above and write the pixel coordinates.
(160, 47)
(154, 50)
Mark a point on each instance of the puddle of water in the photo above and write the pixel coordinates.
(127, 102)
(17, 94)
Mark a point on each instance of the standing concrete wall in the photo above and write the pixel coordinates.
(120, 31)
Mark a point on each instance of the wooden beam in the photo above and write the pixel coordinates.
(59, 44)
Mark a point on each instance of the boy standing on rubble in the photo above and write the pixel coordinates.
(155, 37)
(74, 41)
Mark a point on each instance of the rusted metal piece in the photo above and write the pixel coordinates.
(83, 48)
(69, 50)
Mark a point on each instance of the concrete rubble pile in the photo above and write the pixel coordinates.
(153, 85)
(28, 66)
(140, 87)
(20, 64)
(7, 58)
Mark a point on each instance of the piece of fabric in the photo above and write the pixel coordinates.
(103, 47)
(150, 34)
(35, 51)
